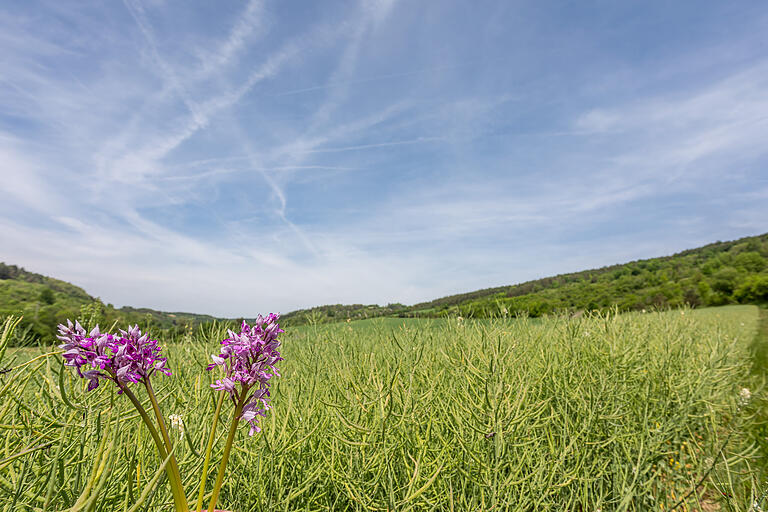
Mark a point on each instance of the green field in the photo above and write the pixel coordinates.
(604, 412)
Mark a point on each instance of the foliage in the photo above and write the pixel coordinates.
(752, 289)
(610, 412)
(6, 333)
(716, 274)
(713, 275)
(45, 302)
(46, 296)
(341, 312)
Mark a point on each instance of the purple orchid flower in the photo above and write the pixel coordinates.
(249, 358)
(123, 358)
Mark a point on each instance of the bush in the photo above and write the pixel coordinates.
(753, 289)
(47, 297)
(749, 262)
(724, 280)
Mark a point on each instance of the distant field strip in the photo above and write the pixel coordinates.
(617, 412)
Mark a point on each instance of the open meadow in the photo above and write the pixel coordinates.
(383, 256)
(603, 412)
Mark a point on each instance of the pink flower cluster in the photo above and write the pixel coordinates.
(126, 357)
(249, 358)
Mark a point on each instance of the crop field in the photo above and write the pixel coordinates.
(639, 411)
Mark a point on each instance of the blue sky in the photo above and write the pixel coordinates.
(243, 157)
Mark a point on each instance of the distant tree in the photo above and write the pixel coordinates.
(47, 297)
(749, 261)
(705, 291)
(692, 298)
(753, 289)
(658, 300)
(711, 266)
(724, 280)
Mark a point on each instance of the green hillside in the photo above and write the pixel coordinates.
(714, 275)
(45, 302)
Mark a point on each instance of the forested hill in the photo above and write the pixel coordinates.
(712, 275)
(44, 302)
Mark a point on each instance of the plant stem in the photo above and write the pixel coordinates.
(179, 499)
(227, 448)
(209, 448)
(173, 465)
(158, 414)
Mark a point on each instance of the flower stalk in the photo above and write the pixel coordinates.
(173, 465)
(248, 359)
(177, 490)
(208, 449)
(225, 456)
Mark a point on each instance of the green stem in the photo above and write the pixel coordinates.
(33, 360)
(173, 465)
(158, 414)
(209, 448)
(178, 497)
(227, 448)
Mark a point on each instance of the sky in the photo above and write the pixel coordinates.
(236, 158)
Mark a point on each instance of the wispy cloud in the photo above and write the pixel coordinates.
(275, 156)
(250, 24)
(679, 135)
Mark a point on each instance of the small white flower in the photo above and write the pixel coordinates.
(178, 423)
(745, 395)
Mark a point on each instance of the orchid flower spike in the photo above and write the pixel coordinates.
(248, 359)
(126, 357)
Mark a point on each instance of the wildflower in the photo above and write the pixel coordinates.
(124, 358)
(178, 423)
(249, 358)
(127, 357)
(745, 395)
